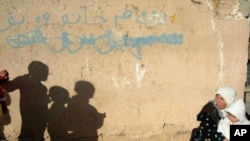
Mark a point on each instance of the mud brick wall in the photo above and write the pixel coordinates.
(127, 70)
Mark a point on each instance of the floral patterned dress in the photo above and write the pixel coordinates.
(207, 130)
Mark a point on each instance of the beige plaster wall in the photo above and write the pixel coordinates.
(153, 63)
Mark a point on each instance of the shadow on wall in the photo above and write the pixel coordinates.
(67, 119)
(79, 121)
(33, 101)
(83, 119)
(57, 126)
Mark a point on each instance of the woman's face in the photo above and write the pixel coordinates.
(220, 102)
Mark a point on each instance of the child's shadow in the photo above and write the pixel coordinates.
(84, 119)
(56, 123)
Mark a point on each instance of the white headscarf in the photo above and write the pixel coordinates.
(238, 109)
(229, 95)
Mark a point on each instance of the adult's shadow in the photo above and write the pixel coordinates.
(57, 127)
(33, 101)
(84, 119)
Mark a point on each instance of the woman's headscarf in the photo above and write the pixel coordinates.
(229, 95)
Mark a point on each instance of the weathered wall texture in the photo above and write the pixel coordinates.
(152, 63)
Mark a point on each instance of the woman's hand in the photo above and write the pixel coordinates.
(226, 140)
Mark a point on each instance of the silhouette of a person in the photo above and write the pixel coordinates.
(57, 124)
(84, 119)
(33, 101)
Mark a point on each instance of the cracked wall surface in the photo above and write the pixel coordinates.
(121, 70)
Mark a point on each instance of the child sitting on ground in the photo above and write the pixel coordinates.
(236, 115)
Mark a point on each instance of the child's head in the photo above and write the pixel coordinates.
(59, 95)
(232, 117)
(237, 111)
(38, 70)
(4, 76)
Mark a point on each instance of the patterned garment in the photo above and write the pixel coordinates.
(3, 105)
(207, 130)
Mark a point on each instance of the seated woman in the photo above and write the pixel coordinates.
(212, 113)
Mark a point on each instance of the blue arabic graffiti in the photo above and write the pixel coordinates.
(103, 44)
(26, 39)
(133, 44)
